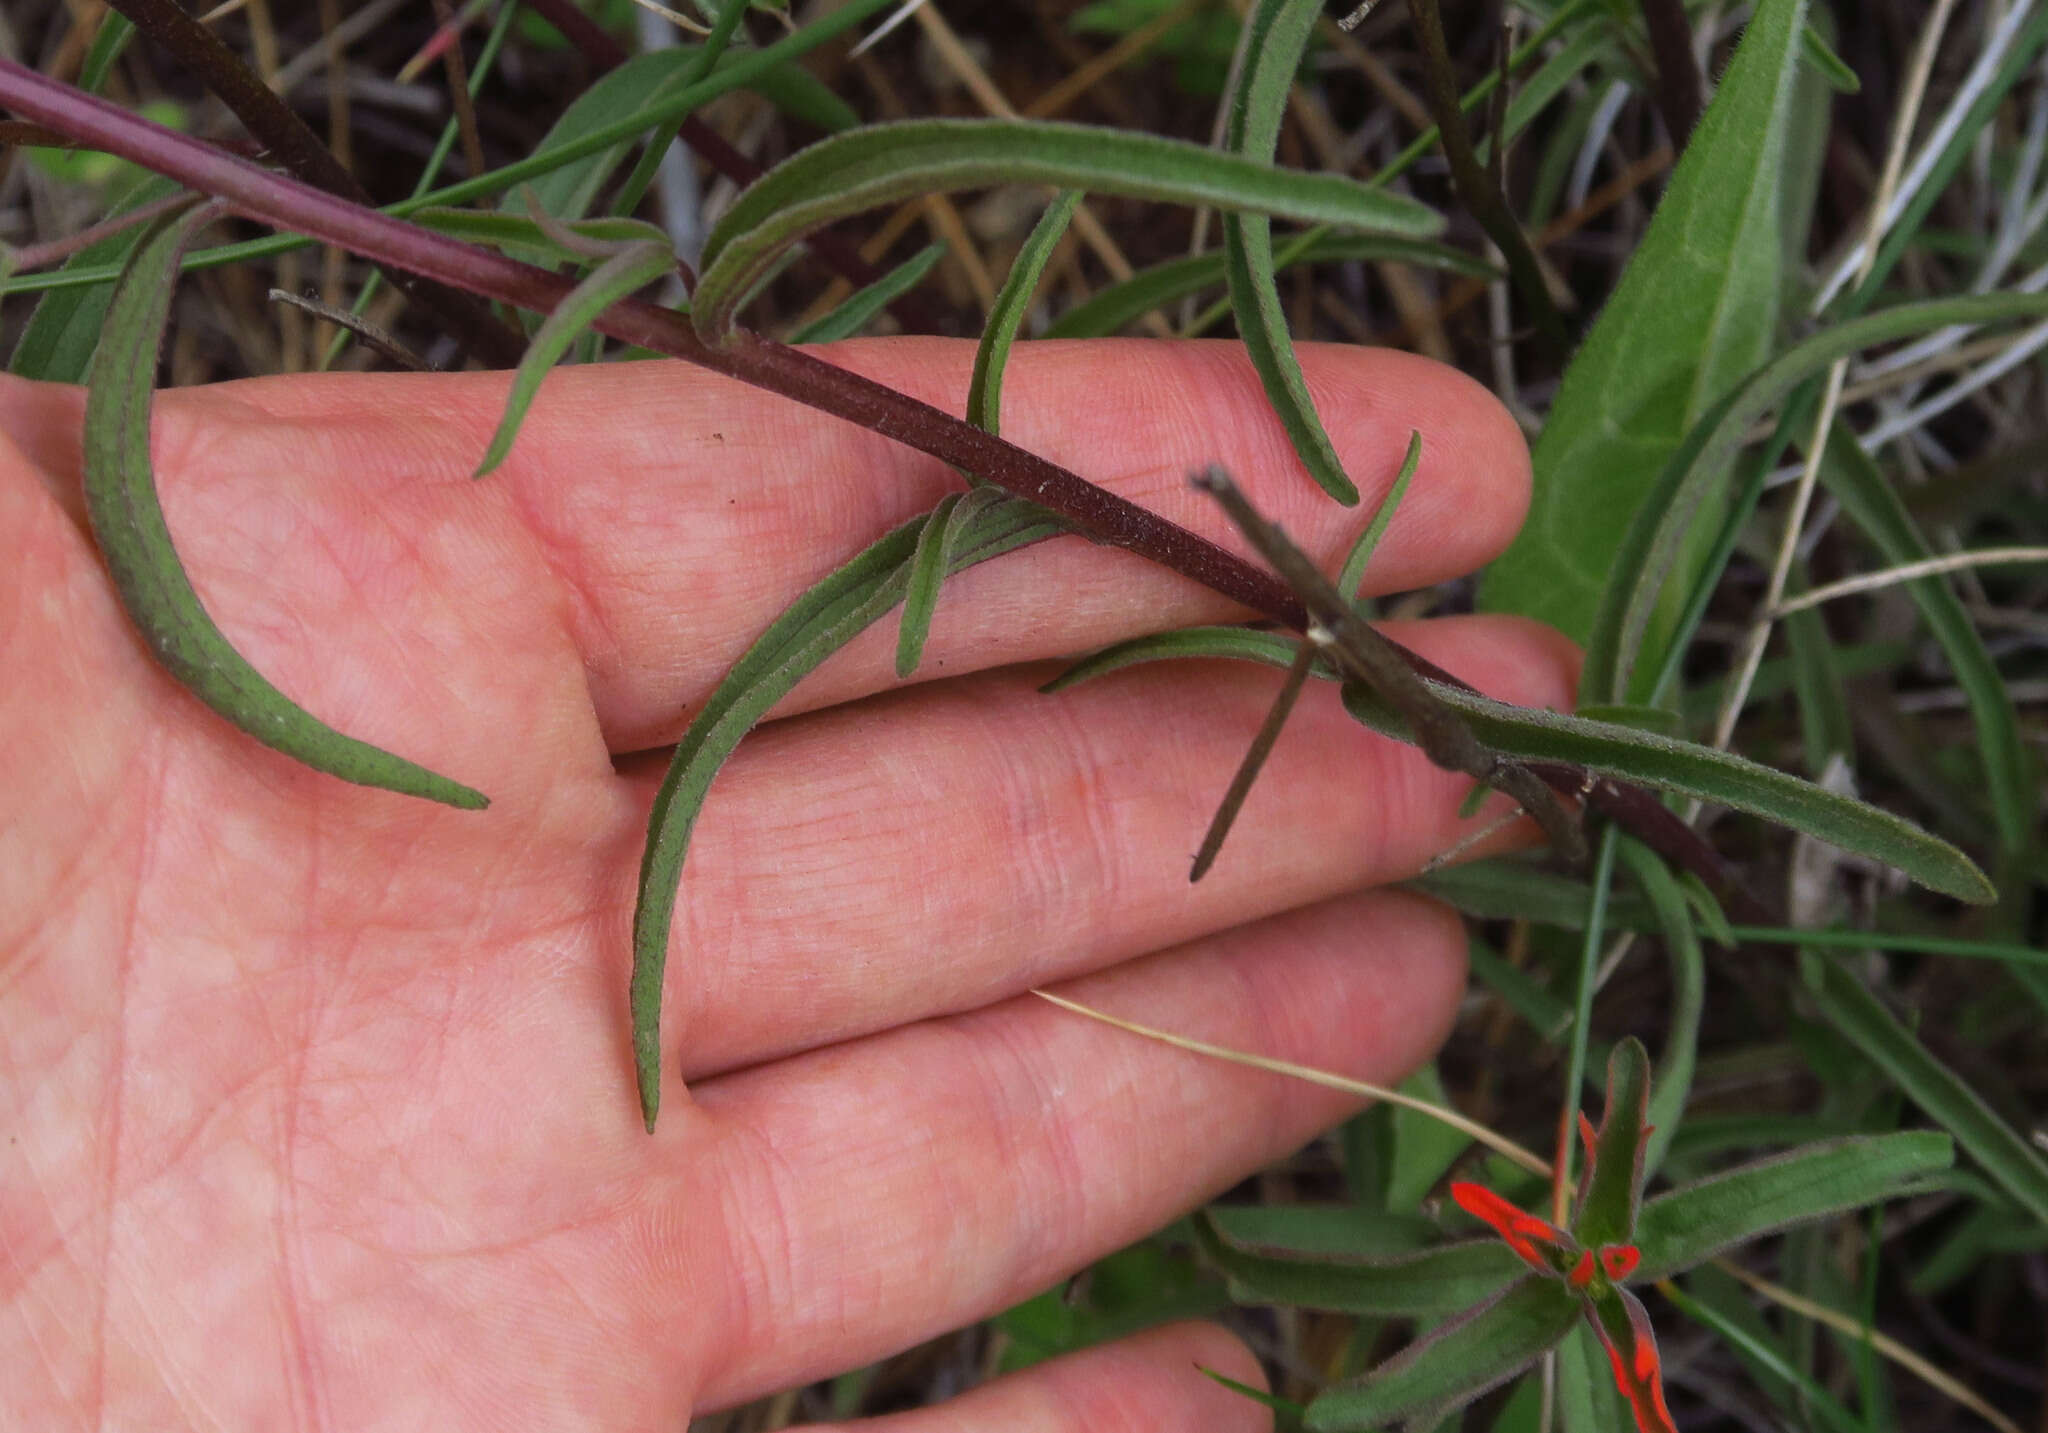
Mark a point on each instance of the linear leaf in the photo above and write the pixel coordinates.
(1006, 315)
(928, 563)
(1688, 994)
(610, 281)
(128, 521)
(1875, 507)
(1772, 1357)
(1360, 556)
(1694, 312)
(1455, 1364)
(817, 624)
(2004, 1153)
(880, 163)
(852, 316)
(1693, 770)
(1614, 1166)
(1516, 888)
(1275, 36)
(1694, 1223)
(1657, 531)
(1112, 308)
(1244, 644)
(1422, 1284)
(58, 341)
(516, 231)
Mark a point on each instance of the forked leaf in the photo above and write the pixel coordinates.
(1614, 1165)
(630, 269)
(127, 520)
(1276, 33)
(2013, 1164)
(853, 315)
(1694, 313)
(827, 617)
(1006, 315)
(1352, 575)
(1623, 1325)
(880, 163)
(1692, 770)
(1117, 305)
(1692, 1224)
(1657, 532)
(1455, 1363)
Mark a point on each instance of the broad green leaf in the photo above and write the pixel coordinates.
(1876, 509)
(121, 501)
(57, 344)
(1693, 314)
(1120, 304)
(1657, 532)
(885, 162)
(1352, 576)
(1692, 1224)
(1455, 1364)
(852, 316)
(2005, 1155)
(1006, 316)
(1656, 761)
(827, 617)
(1614, 1167)
(631, 268)
(1275, 36)
(1688, 997)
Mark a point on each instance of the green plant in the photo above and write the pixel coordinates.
(1650, 472)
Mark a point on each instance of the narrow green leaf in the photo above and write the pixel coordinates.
(827, 617)
(115, 33)
(1688, 997)
(2013, 1164)
(121, 500)
(1692, 1224)
(1425, 1284)
(1587, 1400)
(1694, 312)
(1006, 315)
(1657, 531)
(853, 315)
(1120, 304)
(1274, 649)
(1614, 1167)
(928, 563)
(1519, 888)
(57, 344)
(1772, 1358)
(1692, 770)
(610, 281)
(1455, 1364)
(1276, 34)
(1831, 67)
(1876, 509)
(516, 231)
(1350, 578)
(1657, 719)
(884, 162)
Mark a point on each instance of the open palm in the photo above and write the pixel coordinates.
(318, 1100)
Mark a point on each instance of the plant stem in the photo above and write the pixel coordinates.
(292, 141)
(1094, 512)
(1481, 195)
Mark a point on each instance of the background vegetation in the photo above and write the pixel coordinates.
(1690, 392)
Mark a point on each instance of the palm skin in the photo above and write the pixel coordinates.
(318, 1099)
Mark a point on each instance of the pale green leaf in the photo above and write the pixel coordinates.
(1359, 558)
(121, 502)
(1006, 315)
(852, 316)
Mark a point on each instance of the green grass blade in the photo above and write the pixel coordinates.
(827, 617)
(1692, 1224)
(1121, 304)
(121, 500)
(115, 33)
(1692, 770)
(2013, 1164)
(1275, 36)
(609, 282)
(1006, 315)
(1360, 556)
(1688, 997)
(1876, 509)
(853, 315)
(1454, 1364)
(1694, 313)
(1657, 532)
(882, 163)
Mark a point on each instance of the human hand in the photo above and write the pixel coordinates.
(318, 1098)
